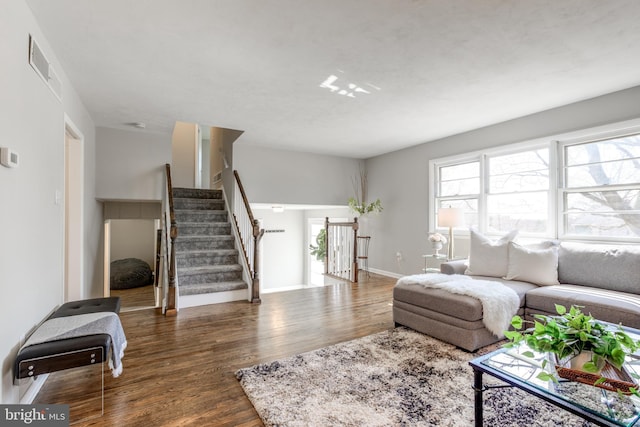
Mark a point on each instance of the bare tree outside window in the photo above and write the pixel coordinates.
(598, 193)
(602, 190)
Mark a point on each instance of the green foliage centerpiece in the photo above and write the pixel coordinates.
(572, 333)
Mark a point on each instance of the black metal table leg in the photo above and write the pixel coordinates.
(478, 389)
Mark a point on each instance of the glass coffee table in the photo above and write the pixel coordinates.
(599, 406)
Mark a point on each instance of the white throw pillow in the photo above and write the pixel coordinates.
(537, 266)
(488, 258)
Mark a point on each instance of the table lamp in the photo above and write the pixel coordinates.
(450, 217)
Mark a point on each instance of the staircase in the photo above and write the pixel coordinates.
(206, 258)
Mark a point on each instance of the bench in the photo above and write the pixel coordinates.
(57, 355)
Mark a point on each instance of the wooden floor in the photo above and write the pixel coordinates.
(179, 371)
(135, 298)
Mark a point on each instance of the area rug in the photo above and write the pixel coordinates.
(394, 378)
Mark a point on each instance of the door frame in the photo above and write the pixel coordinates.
(73, 252)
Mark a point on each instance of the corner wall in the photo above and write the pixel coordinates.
(32, 123)
(130, 164)
(401, 180)
(279, 176)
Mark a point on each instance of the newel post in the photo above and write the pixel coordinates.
(255, 280)
(355, 250)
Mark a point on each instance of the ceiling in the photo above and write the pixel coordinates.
(430, 68)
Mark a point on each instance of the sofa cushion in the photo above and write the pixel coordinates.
(487, 257)
(463, 307)
(608, 267)
(603, 304)
(537, 266)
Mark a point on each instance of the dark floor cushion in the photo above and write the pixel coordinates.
(130, 273)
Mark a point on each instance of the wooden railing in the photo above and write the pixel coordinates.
(170, 231)
(249, 232)
(341, 257)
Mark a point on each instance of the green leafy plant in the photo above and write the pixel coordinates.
(570, 333)
(358, 204)
(365, 208)
(321, 250)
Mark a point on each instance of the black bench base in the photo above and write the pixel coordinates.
(70, 352)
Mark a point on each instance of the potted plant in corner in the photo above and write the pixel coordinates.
(320, 251)
(582, 346)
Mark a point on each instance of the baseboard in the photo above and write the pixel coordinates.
(285, 288)
(213, 298)
(34, 388)
(386, 273)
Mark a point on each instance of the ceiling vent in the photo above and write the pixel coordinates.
(43, 68)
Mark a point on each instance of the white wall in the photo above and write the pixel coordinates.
(31, 250)
(283, 253)
(400, 179)
(183, 155)
(277, 176)
(130, 164)
(133, 238)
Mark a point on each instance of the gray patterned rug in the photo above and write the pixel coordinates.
(394, 378)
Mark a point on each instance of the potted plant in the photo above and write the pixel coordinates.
(359, 203)
(321, 250)
(364, 208)
(570, 335)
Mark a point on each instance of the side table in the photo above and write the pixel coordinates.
(437, 257)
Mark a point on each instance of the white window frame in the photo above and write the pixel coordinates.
(562, 189)
(555, 144)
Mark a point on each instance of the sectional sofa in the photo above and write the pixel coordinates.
(604, 279)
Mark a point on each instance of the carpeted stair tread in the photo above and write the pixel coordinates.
(209, 269)
(184, 216)
(209, 274)
(202, 257)
(204, 229)
(191, 252)
(195, 238)
(181, 203)
(204, 242)
(196, 193)
(207, 288)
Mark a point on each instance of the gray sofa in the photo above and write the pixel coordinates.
(603, 279)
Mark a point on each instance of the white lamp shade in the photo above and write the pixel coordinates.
(450, 217)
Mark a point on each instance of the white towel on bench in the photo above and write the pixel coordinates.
(82, 325)
(499, 302)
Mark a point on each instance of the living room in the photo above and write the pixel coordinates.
(531, 97)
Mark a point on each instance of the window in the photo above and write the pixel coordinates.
(595, 193)
(518, 192)
(601, 191)
(513, 193)
(459, 187)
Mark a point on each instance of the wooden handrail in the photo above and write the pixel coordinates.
(256, 234)
(244, 197)
(173, 234)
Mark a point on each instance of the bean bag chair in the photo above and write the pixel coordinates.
(130, 273)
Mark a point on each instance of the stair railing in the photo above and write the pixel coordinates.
(341, 255)
(170, 231)
(250, 233)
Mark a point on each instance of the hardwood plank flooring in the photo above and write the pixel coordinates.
(179, 371)
(135, 298)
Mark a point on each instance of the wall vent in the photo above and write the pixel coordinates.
(43, 68)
